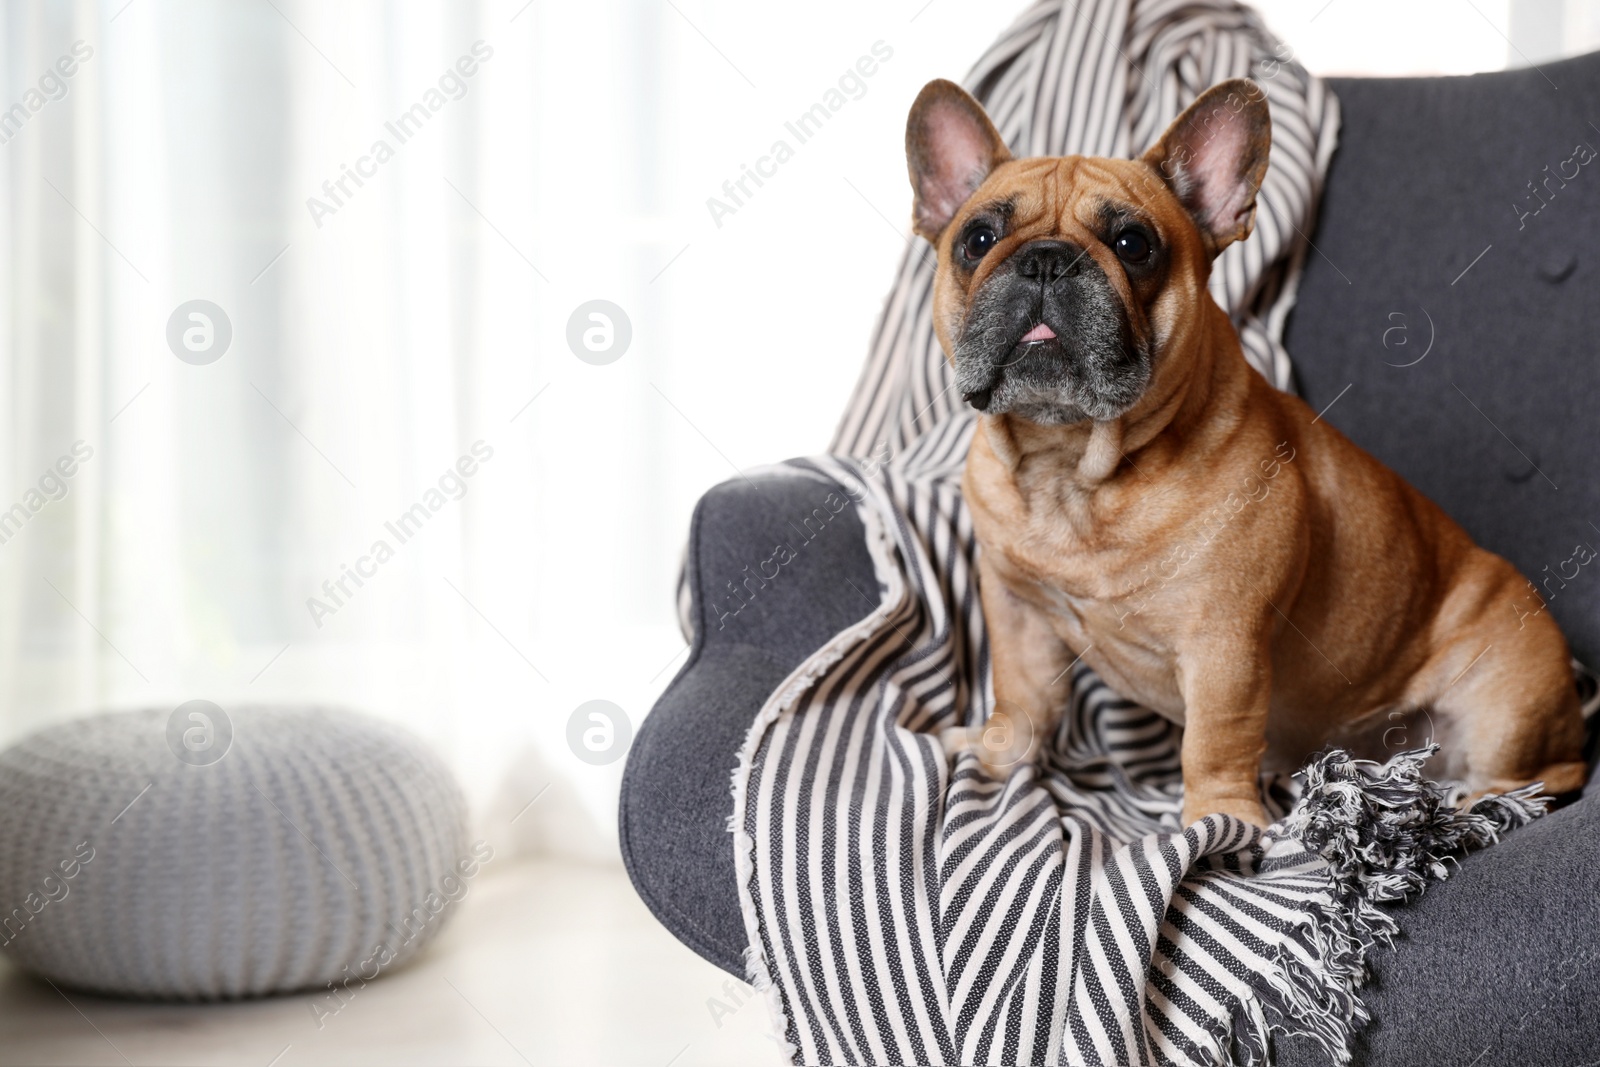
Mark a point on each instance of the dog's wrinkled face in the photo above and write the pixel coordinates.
(1062, 280)
(1052, 328)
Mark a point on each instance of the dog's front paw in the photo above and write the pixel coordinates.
(959, 739)
(1005, 740)
(1249, 809)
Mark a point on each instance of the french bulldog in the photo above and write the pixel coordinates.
(1144, 500)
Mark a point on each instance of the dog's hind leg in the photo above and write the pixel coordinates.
(1508, 695)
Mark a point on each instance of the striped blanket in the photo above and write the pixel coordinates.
(905, 908)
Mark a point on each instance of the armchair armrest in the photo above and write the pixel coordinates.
(774, 572)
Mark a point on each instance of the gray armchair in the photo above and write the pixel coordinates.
(1447, 321)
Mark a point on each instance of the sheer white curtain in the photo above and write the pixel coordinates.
(361, 190)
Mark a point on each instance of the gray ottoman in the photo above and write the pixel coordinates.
(196, 853)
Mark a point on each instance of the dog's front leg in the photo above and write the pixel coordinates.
(1030, 662)
(1226, 692)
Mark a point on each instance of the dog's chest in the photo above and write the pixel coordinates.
(1098, 599)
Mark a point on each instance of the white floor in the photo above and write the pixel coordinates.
(547, 963)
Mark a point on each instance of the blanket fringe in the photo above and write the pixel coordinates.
(1386, 833)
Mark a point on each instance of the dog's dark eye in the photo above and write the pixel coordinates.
(1132, 246)
(978, 242)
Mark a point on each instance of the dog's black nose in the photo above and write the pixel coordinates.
(1048, 260)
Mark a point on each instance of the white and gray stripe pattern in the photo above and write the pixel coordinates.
(907, 911)
(902, 908)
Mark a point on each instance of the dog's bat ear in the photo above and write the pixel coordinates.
(951, 146)
(1214, 156)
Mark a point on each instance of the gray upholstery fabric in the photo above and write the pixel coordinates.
(318, 836)
(1500, 965)
(1425, 179)
(675, 793)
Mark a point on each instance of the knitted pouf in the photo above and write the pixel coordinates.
(197, 853)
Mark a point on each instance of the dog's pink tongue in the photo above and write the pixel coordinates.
(1040, 332)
